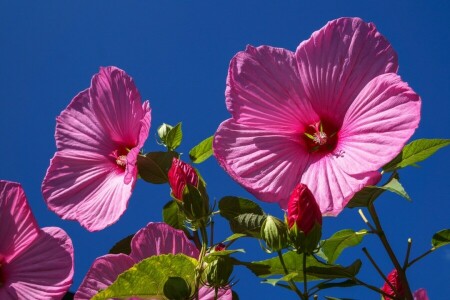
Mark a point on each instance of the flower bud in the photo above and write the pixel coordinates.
(421, 294)
(176, 288)
(274, 233)
(303, 209)
(180, 174)
(163, 130)
(394, 287)
(218, 272)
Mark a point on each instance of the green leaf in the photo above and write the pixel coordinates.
(315, 269)
(173, 216)
(233, 237)
(153, 166)
(370, 193)
(202, 151)
(342, 284)
(244, 216)
(441, 238)
(147, 278)
(274, 281)
(174, 137)
(338, 242)
(415, 152)
(122, 246)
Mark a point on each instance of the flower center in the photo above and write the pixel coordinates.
(320, 136)
(121, 160)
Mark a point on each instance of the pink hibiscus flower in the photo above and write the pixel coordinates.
(98, 137)
(34, 263)
(329, 115)
(154, 239)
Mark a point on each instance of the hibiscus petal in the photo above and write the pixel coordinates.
(85, 189)
(264, 90)
(18, 227)
(378, 124)
(160, 238)
(208, 293)
(45, 269)
(103, 272)
(78, 130)
(116, 103)
(339, 60)
(268, 164)
(333, 187)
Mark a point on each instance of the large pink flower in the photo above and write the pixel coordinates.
(34, 263)
(154, 239)
(98, 137)
(329, 115)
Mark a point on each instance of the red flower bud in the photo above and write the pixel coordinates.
(181, 174)
(303, 209)
(396, 283)
(220, 247)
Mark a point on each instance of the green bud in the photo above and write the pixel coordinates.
(305, 243)
(218, 272)
(195, 204)
(274, 233)
(176, 288)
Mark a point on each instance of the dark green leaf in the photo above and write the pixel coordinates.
(333, 246)
(202, 151)
(415, 152)
(441, 238)
(294, 262)
(174, 137)
(173, 216)
(147, 278)
(244, 216)
(342, 284)
(153, 166)
(231, 207)
(122, 246)
(233, 237)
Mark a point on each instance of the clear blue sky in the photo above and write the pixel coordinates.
(178, 54)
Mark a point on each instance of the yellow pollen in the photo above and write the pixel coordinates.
(121, 160)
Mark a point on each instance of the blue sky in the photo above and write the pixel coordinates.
(178, 54)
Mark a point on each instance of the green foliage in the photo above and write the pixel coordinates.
(370, 193)
(153, 166)
(122, 246)
(173, 216)
(315, 269)
(441, 238)
(244, 216)
(174, 137)
(338, 242)
(415, 152)
(147, 278)
(202, 151)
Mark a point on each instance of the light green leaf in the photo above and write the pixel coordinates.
(233, 237)
(315, 270)
(147, 278)
(441, 238)
(370, 193)
(202, 151)
(415, 152)
(338, 242)
(274, 281)
(174, 137)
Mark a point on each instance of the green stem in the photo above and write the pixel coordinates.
(305, 280)
(400, 271)
(408, 252)
(377, 268)
(373, 288)
(204, 236)
(290, 282)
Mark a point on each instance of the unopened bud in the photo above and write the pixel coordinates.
(180, 174)
(218, 272)
(303, 209)
(274, 233)
(394, 286)
(163, 130)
